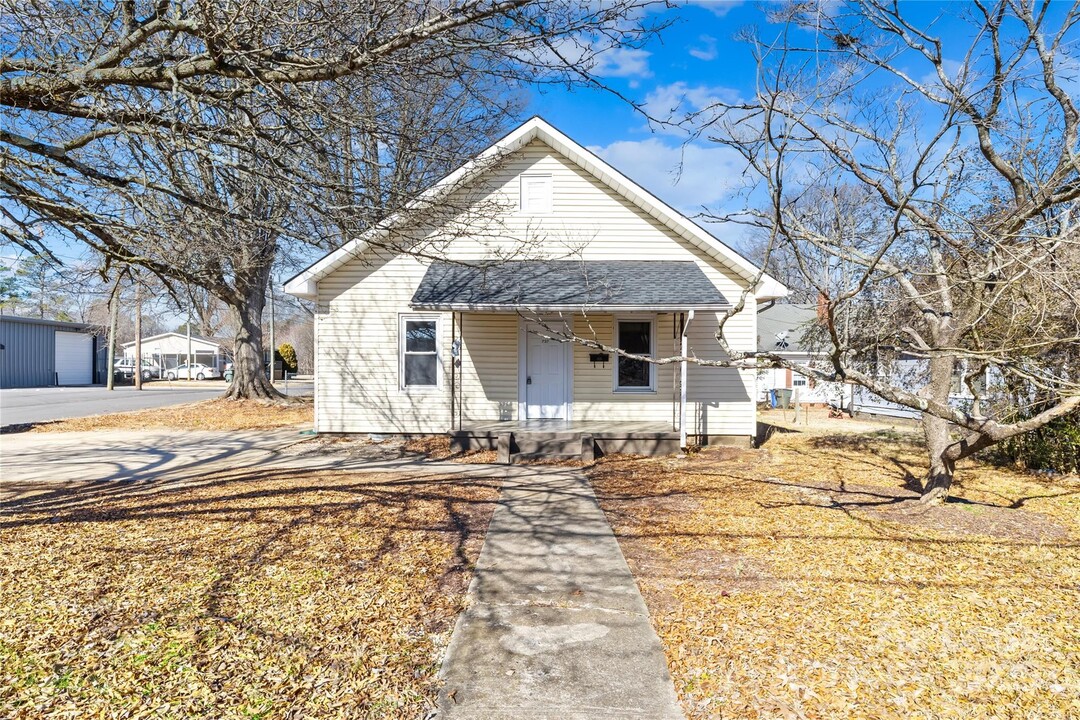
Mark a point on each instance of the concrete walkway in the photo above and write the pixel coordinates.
(555, 626)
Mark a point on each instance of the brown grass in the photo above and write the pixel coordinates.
(253, 595)
(216, 414)
(802, 581)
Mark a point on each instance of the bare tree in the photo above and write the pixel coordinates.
(196, 139)
(966, 163)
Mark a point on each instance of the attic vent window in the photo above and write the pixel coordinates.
(536, 194)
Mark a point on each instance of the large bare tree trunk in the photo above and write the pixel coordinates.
(942, 466)
(939, 444)
(249, 376)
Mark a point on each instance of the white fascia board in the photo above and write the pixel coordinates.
(151, 338)
(769, 288)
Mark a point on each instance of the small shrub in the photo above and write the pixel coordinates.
(288, 356)
(1055, 446)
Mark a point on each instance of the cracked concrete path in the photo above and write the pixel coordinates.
(555, 626)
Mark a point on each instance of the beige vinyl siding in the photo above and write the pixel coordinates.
(359, 304)
(489, 366)
(720, 401)
(357, 361)
(594, 383)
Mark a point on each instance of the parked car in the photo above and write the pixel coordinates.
(195, 370)
(126, 369)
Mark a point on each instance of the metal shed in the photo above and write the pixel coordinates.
(43, 353)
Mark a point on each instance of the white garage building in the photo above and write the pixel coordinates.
(43, 353)
(170, 349)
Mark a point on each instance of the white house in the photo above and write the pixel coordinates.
(788, 329)
(167, 350)
(451, 315)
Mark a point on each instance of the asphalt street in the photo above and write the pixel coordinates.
(33, 405)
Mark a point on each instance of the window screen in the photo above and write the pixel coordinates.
(420, 364)
(635, 336)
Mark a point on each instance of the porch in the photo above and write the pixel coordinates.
(535, 356)
(566, 439)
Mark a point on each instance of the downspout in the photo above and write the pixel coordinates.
(682, 382)
(676, 331)
(453, 366)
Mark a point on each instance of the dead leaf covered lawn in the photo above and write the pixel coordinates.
(258, 595)
(216, 414)
(802, 580)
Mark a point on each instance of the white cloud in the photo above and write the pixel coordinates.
(707, 50)
(719, 8)
(596, 57)
(687, 177)
(623, 62)
(674, 102)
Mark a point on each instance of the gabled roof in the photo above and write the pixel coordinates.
(182, 336)
(536, 128)
(570, 285)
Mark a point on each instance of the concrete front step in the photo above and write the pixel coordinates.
(545, 446)
(547, 443)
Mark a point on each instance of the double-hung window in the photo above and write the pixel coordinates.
(419, 343)
(635, 336)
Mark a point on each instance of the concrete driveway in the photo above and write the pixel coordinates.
(20, 406)
(36, 459)
(40, 463)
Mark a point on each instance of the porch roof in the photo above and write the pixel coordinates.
(569, 285)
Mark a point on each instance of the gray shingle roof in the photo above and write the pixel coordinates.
(660, 285)
(783, 327)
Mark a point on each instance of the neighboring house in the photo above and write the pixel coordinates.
(170, 349)
(787, 329)
(536, 227)
(783, 329)
(43, 353)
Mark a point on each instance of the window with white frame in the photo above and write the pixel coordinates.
(536, 194)
(635, 336)
(419, 342)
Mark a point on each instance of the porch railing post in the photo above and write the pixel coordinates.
(682, 381)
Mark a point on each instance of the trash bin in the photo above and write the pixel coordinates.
(785, 398)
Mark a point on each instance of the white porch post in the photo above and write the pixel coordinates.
(682, 382)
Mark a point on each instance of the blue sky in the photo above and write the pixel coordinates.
(697, 57)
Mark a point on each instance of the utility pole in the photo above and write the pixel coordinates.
(189, 344)
(114, 311)
(138, 334)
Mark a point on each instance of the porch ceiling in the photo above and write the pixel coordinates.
(568, 285)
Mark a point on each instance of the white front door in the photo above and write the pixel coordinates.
(547, 376)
